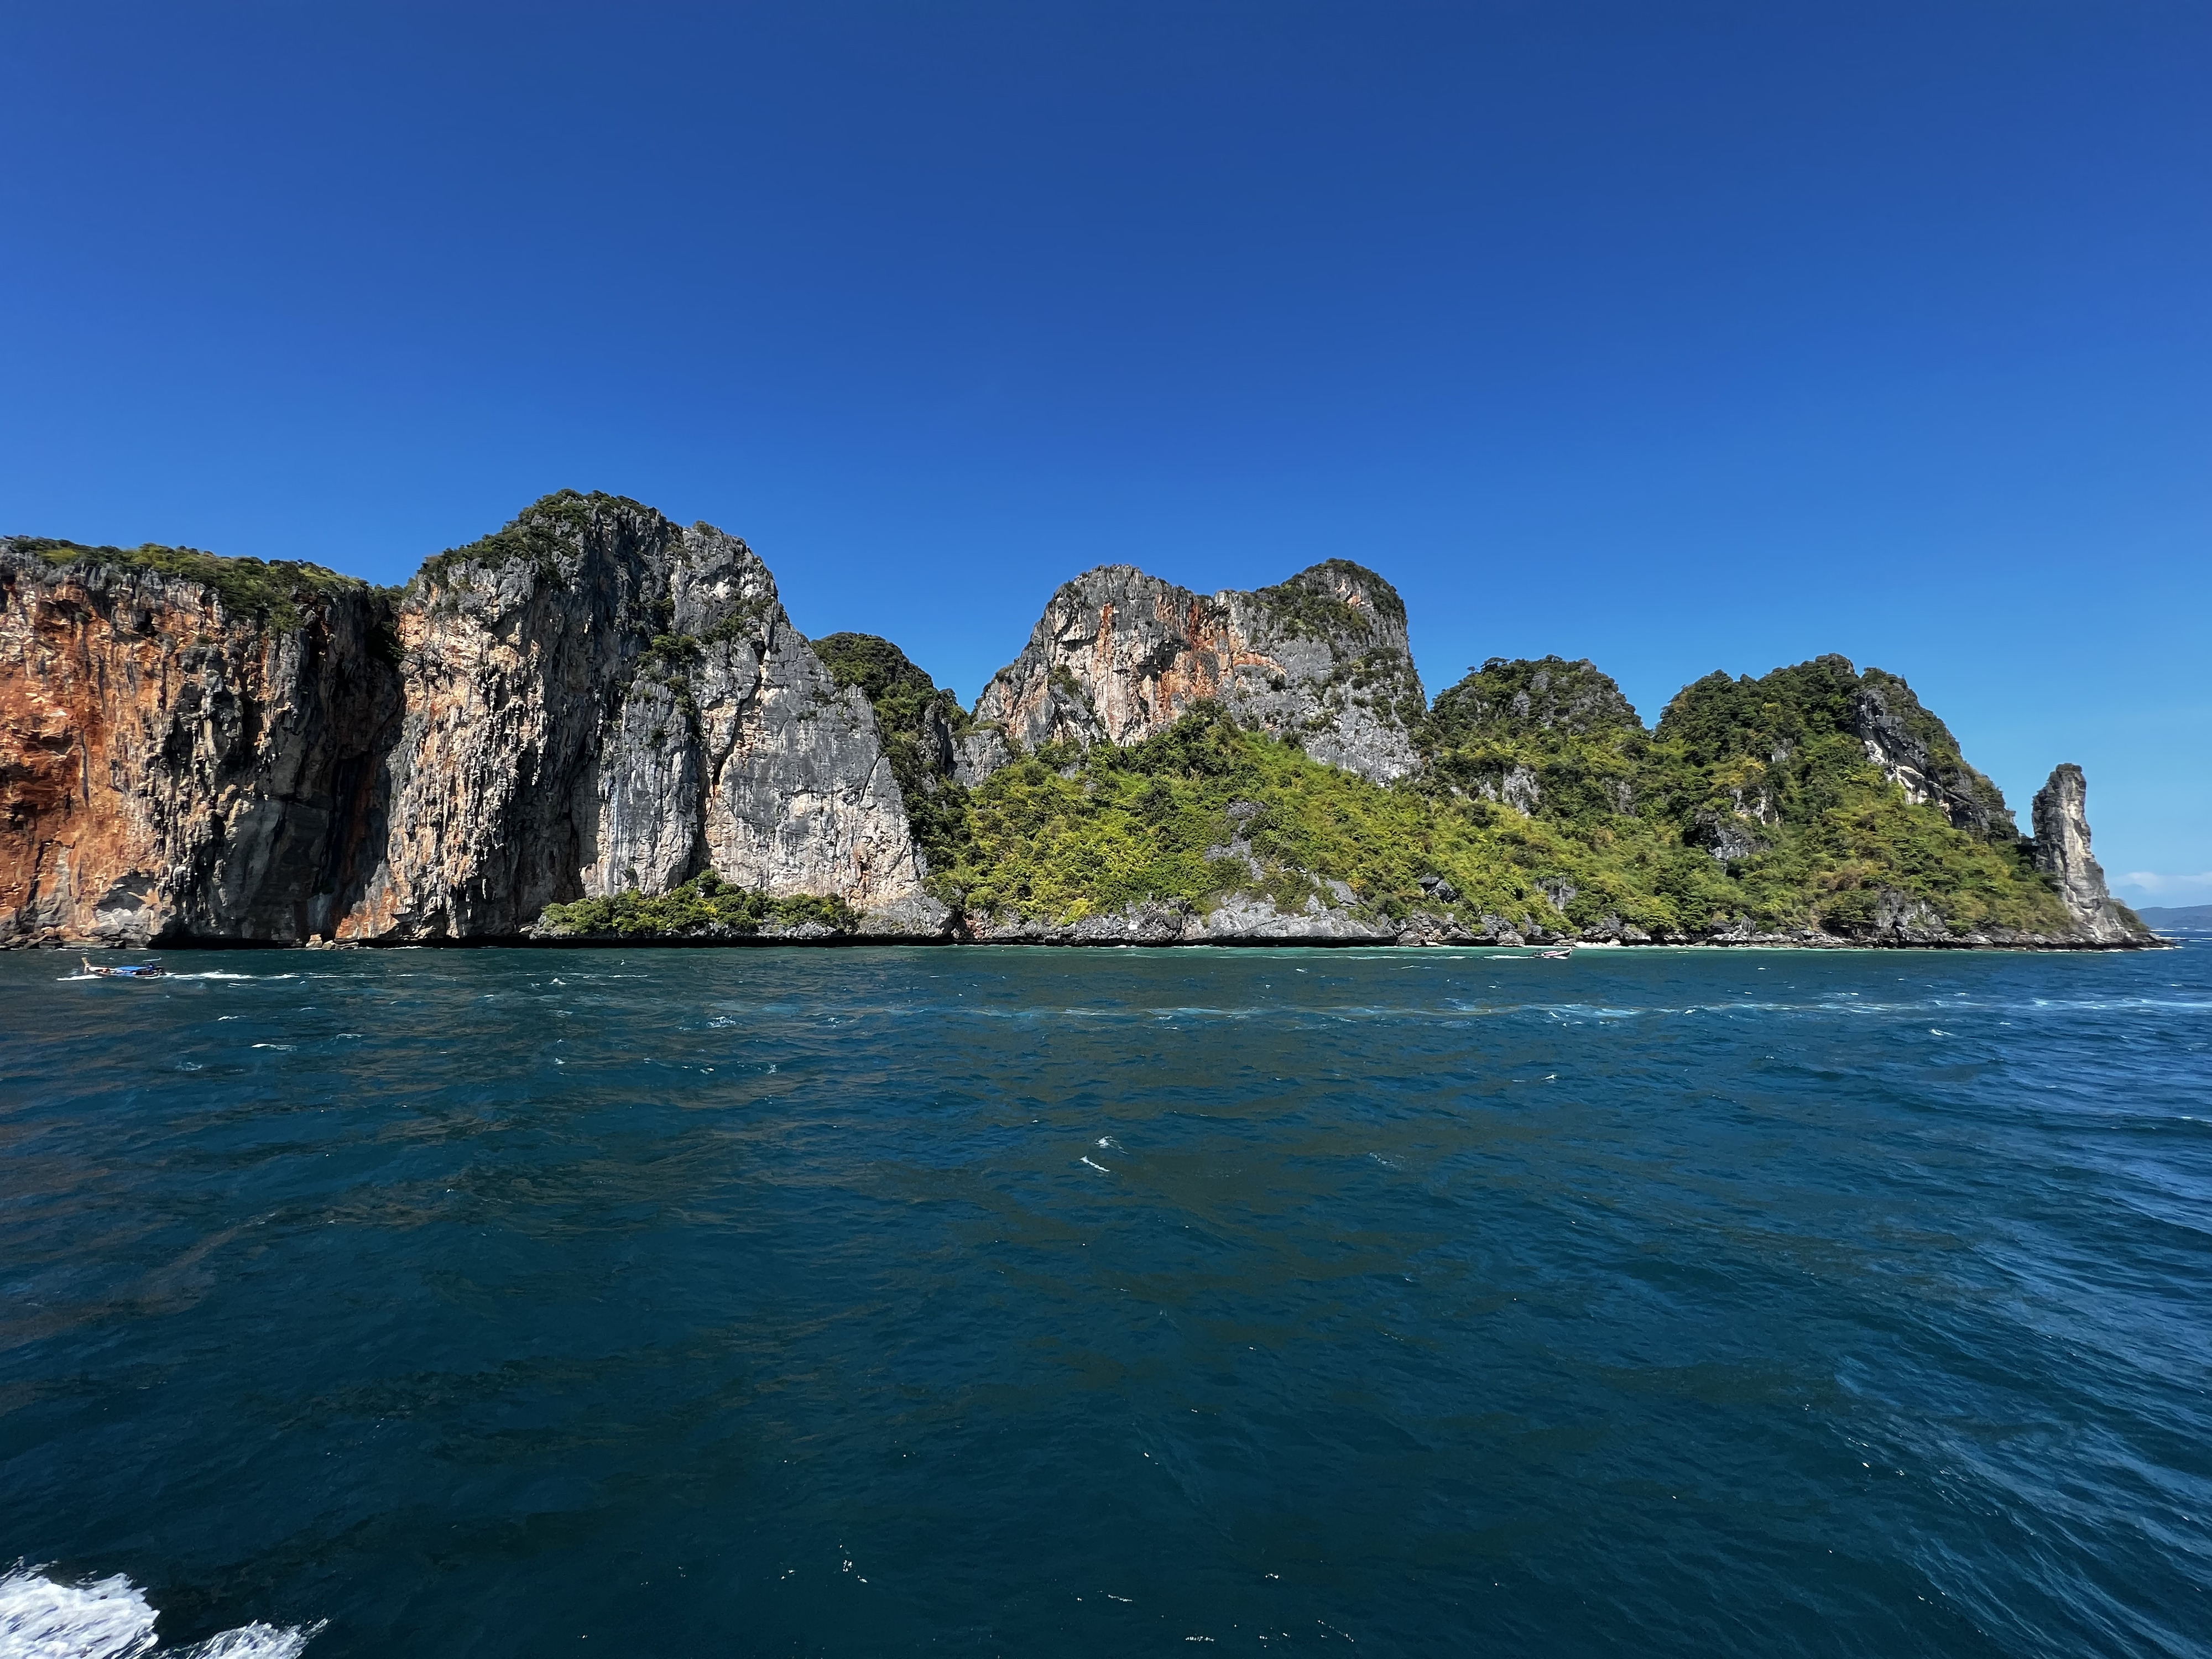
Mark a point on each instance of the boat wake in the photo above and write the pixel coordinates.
(42, 1618)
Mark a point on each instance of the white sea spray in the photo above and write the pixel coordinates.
(42, 1617)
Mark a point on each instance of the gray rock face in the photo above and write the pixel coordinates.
(1728, 836)
(1120, 656)
(1240, 920)
(2061, 853)
(1900, 919)
(597, 701)
(978, 754)
(1520, 789)
(1917, 752)
(1331, 914)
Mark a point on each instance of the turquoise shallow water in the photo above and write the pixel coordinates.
(875, 1302)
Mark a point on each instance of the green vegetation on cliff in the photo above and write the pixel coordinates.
(549, 528)
(1308, 603)
(918, 721)
(1206, 811)
(705, 906)
(1544, 802)
(1770, 779)
(277, 591)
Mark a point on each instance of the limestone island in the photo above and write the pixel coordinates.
(595, 725)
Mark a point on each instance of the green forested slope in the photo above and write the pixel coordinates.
(1544, 800)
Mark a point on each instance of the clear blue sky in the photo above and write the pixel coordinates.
(1682, 336)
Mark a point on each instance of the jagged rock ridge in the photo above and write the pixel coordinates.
(599, 700)
(1917, 752)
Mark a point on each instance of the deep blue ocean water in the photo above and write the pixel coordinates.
(858, 1302)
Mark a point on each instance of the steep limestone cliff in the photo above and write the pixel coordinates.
(592, 701)
(921, 726)
(186, 749)
(1120, 656)
(598, 700)
(2061, 853)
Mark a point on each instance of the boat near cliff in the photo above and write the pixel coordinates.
(596, 725)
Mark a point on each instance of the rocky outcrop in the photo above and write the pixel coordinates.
(600, 701)
(1528, 731)
(1917, 752)
(1730, 836)
(1523, 697)
(1251, 919)
(1120, 656)
(2062, 854)
(593, 700)
(175, 760)
(921, 724)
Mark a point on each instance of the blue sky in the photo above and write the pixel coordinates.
(1683, 337)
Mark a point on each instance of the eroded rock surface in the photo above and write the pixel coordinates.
(1120, 656)
(2061, 853)
(170, 762)
(593, 700)
(1917, 752)
(599, 700)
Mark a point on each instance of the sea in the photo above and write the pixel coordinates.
(860, 1302)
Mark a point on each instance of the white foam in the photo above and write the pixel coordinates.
(253, 1641)
(99, 1619)
(41, 1618)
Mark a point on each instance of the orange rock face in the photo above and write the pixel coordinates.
(168, 768)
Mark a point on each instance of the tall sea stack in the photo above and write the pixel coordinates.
(2061, 853)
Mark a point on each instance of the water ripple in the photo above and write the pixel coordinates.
(1001, 1301)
